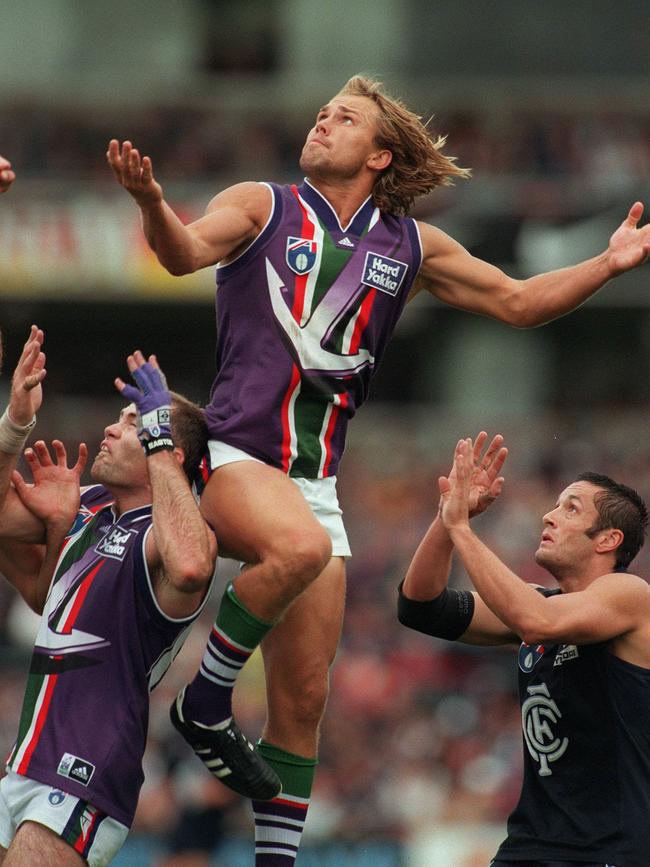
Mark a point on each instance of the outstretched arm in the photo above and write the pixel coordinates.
(456, 277)
(181, 550)
(232, 220)
(424, 590)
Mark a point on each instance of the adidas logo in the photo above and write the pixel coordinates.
(345, 242)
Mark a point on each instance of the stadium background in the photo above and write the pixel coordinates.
(549, 105)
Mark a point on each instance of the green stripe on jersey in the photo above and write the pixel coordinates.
(75, 550)
(333, 261)
(309, 414)
(32, 692)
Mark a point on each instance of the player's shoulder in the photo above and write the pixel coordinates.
(245, 195)
(623, 584)
(95, 497)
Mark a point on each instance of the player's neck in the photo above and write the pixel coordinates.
(574, 580)
(127, 500)
(345, 196)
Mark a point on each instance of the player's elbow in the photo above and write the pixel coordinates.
(194, 575)
(179, 266)
(180, 259)
(516, 308)
(535, 630)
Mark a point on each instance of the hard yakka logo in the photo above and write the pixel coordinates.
(114, 543)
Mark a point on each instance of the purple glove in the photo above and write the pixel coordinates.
(153, 403)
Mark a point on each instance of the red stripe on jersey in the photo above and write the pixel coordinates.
(362, 321)
(300, 283)
(82, 592)
(286, 426)
(331, 426)
(40, 722)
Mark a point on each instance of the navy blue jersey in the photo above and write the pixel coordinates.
(586, 789)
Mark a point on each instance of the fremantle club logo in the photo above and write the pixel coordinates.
(540, 715)
(301, 254)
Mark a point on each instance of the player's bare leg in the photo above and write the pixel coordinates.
(36, 844)
(297, 694)
(260, 517)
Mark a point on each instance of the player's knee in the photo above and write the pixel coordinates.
(301, 557)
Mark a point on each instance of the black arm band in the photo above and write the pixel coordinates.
(158, 445)
(446, 616)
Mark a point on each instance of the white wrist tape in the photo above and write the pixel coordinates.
(13, 436)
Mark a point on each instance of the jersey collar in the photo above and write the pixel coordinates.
(328, 216)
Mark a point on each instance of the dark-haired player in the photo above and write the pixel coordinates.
(584, 659)
(135, 564)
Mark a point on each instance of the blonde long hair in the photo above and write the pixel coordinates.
(418, 166)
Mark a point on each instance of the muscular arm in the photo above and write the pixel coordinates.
(231, 221)
(453, 275)
(609, 607)
(181, 549)
(427, 578)
(428, 574)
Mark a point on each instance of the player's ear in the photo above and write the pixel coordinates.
(380, 160)
(609, 541)
(179, 454)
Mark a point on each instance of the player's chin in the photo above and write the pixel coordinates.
(310, 162)
(98, 469)
(543, 556)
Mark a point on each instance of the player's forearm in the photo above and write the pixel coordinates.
(515, 603)
(169, 238)
(55, 536)
(13, 436)
(547, 296)
(428, 573)
(182, 536)
(7, 466)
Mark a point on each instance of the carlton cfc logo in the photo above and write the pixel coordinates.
(301, 254)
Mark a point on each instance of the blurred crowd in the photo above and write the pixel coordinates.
(419, 732)
(609, 146)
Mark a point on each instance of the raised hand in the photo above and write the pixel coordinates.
(629, 246)
(133, 172)
(7, 175)
(483, 482)
(455, 488)
(26, 390)
(54, 495)
(152, 401)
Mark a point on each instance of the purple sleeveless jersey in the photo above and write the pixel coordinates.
(303, 318)
(102, 646)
